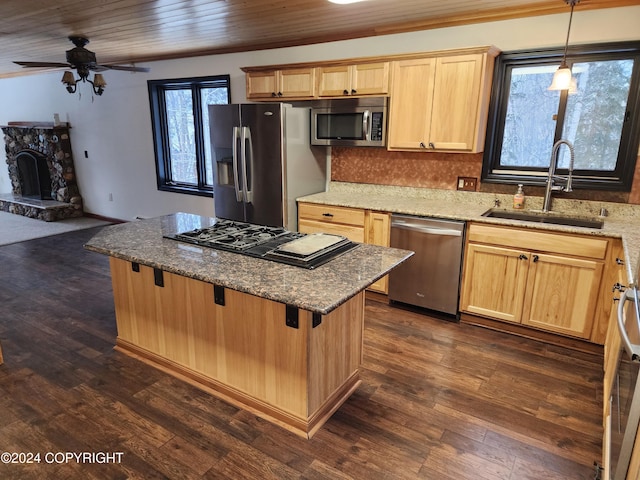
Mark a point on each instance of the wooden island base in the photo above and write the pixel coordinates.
(287, 365)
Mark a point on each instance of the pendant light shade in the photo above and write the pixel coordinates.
(563, 79)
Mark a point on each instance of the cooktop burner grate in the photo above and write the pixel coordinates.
(231, 235)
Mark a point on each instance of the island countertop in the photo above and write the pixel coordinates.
(320, 290)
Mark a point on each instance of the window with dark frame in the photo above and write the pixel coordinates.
(600, 117)
(180, 123)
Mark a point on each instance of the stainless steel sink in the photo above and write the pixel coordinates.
(540, 217)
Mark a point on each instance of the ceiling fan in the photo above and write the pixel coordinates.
(83, 61)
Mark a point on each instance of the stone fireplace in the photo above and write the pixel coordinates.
(41, 171)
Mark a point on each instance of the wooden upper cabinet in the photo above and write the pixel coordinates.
(440, 103)
(456, 99)
(411, 100)
(294, 83)
(353, 80)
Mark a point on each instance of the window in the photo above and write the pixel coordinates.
(600, 117)
(180, 123)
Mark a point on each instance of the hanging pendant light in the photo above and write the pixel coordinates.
(563, 79)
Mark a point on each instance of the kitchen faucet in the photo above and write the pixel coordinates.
(553, 164)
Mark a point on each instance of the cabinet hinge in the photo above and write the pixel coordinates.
(317, 319)
(218, 295)
(291, 316)
(135, 266)
(158, 277)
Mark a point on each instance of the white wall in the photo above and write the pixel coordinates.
(115, 129)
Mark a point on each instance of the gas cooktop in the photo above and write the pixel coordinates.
(271, 243)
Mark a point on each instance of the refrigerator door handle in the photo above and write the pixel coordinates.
(247, 166)
(236, 178)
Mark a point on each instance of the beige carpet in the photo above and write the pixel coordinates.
(16, 228)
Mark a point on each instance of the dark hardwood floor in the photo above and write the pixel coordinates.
(439, 400)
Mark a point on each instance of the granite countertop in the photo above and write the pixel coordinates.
(319, 290)
(622, 221)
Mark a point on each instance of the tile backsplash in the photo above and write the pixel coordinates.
(377, 166)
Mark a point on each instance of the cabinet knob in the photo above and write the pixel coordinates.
(432, 145)
(535, 258)
(345, 92)
(330, 215)
(619, 261)
(279, 94)
(274, 94)
(422, 145)
(523, 257)
(353, 92)
(618, 286)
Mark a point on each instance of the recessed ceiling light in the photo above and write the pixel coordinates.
(344, 2)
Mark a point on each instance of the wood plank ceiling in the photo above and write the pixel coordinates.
(136, 31)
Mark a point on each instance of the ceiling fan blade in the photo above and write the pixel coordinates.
(123, 68)
(44, 64)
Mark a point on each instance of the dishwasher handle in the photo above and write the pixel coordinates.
(416, 226)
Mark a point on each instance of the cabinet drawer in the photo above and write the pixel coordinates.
(528, 239)
(331, 214)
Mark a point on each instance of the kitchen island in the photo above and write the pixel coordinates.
(281, 341)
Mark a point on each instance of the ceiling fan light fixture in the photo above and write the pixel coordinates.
(98, 84)
(563, 79)
(69, 81)
(68, 78)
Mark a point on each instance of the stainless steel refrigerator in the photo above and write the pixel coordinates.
(263, 161)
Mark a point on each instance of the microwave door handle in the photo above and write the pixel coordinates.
(633, 350)
(247, 164)
(366, 124)
(236, 177)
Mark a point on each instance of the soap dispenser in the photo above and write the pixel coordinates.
(518, 198)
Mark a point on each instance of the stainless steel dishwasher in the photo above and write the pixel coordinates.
(430, 278)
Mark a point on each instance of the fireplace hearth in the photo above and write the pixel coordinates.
(41, 171)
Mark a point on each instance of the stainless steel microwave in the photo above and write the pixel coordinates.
(350, 122)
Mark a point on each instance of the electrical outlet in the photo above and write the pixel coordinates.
(467, 183)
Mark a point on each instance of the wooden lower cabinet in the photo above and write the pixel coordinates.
(242, 351)
(548, 281)
(494, 282)
(561, 294)
(378, 232)
(356, 224)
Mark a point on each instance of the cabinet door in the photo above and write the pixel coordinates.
(370, 79)
(334, 81)
(379, 233)
(494, 282)
(296, 82)
(411, 103)
(261, 85)
(456, 95)
(561, 294)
